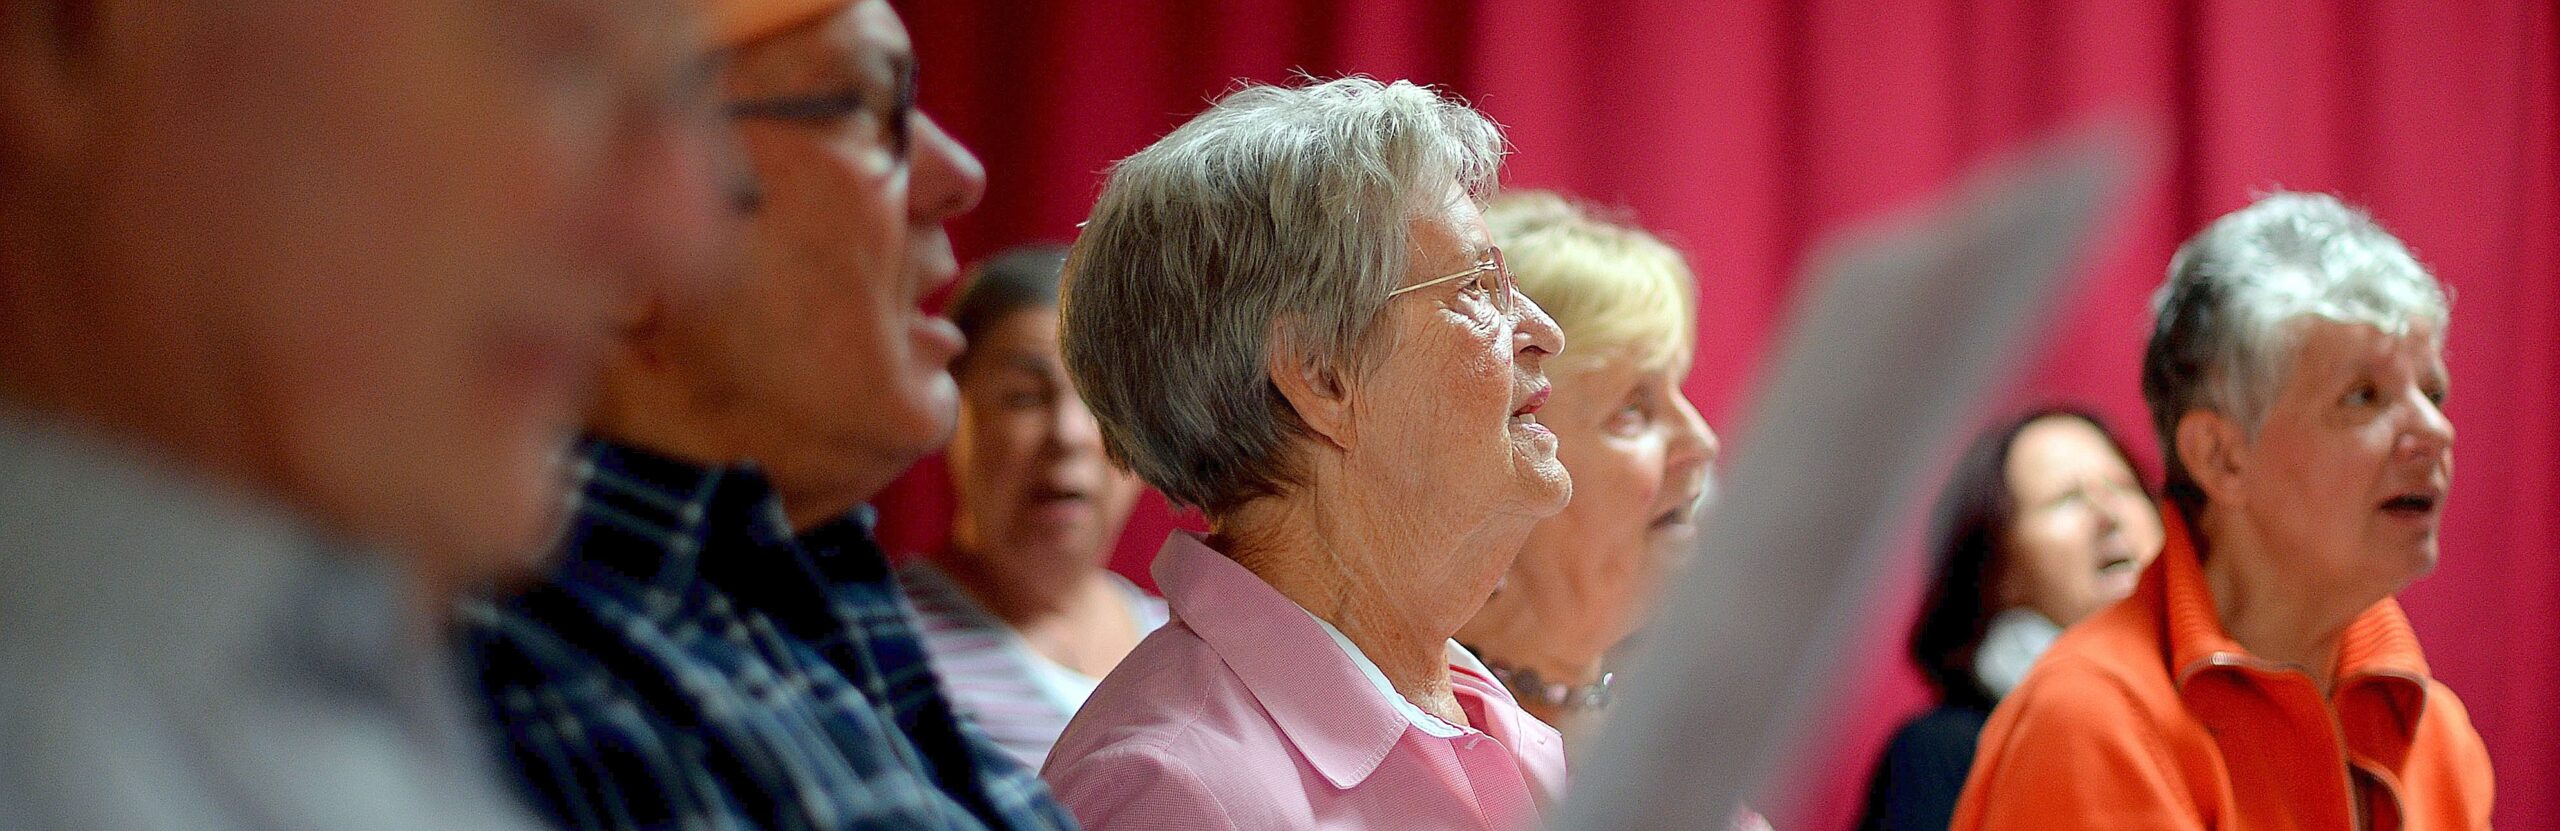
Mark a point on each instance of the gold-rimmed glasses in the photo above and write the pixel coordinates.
(1500, 286)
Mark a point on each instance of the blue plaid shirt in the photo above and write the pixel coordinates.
(694, 665)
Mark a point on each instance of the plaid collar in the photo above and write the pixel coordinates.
(679, 506)
(717, 671)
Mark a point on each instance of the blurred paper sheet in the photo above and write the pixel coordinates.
(1903, 330)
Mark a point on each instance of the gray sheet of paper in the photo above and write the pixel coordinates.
(1906, 327)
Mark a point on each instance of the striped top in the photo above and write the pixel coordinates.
(1016, 695)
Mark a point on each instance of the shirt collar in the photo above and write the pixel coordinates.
(1315, 693)
(2379, 663)
(659, 511)
(1414, 715)
(2377, 641)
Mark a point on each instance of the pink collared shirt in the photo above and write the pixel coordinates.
(1244, 713)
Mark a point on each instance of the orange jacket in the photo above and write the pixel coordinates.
(2148, 716)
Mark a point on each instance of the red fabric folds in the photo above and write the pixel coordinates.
(1747, 131)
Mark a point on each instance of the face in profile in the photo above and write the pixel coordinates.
(2347, 476)
(1034, 486)
(1463, 380)
(1448, 415)
(1640, 455)
(2083, 528)
(391, 236)
(825, 347)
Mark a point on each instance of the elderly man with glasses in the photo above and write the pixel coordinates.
(724, 647)
(1288, 313)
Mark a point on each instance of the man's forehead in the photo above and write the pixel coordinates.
(653, 21)
(866, 40)
(877, 42)
(861, 44)
(880, 31)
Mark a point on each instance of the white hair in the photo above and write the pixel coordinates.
(2228, 321)
(1278, 207)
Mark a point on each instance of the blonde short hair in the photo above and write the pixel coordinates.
(1611, 286)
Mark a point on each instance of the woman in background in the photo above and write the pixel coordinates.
(2043, 523)
(1019, 616)
(1638, 451)
(2262, 675)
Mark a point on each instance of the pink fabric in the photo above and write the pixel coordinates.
(1243, 714)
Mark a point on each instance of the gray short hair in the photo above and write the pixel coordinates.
(2224, 331)
(1277, 207)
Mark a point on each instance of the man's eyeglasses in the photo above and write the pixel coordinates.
(896, 114)
(1500, 285)
(895, 119)
(896, 124)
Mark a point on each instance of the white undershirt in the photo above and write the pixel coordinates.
(1419, 717)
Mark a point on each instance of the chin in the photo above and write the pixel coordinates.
(916, 423)
(1550, 494)
(508, 533)
(2422, 562)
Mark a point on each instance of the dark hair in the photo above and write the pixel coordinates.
(1967, 535)
(1015, 279)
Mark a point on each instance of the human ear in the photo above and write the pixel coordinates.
(2215, 452)
(1315, 390)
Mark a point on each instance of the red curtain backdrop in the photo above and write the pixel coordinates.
(1745, 131)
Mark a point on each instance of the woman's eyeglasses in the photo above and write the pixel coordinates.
(1500, 285)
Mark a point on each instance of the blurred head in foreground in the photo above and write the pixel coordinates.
(358, 258)
(298, 303)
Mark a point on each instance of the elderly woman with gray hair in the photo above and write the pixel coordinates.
(1289, 315)
(2261, 675)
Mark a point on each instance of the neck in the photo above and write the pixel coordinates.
(1530, 625)
(1335, 555)
(1513, 632)
(1025, 596)
(1080, 621)
(2275, 614)
(810, 501)
(648, 401)
(644, 401)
